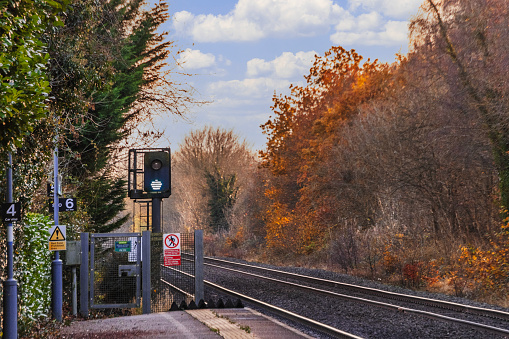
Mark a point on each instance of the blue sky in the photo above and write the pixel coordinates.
(243, 51)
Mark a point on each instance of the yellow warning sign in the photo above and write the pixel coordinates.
(57, 235)
(57, 238)
(57, 245)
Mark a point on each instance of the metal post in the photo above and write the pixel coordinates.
(147, 219)
(74, 292)
(56, 265)
(10, 321)
(146, 272)
(198, 266)
(84, 275)
(135, 164)
(156, 215)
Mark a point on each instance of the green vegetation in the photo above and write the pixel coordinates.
(79, 75)
(24, 85)
(32, 269)
(222, 198)
(245, 328)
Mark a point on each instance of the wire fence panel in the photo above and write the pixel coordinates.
(173, 283)
(115, 270)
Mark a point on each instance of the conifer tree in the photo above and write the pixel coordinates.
(106, 75)
(223, 193)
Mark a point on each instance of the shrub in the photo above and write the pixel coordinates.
(32, 270)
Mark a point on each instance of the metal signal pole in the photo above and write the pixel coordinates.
(56, 265)
(10, 321)
(156, 215)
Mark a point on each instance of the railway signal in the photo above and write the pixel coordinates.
(149, 177)
(157, 174)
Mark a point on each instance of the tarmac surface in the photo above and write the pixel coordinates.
(234, 323)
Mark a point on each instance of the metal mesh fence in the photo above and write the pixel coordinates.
(115, 271)
(173, 283)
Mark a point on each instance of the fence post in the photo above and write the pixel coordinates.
(84, 270)
(146, 274)
(198, 266)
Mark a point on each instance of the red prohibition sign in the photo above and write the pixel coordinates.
(171, 241)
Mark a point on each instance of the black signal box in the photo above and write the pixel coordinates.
(156, 174)
(149, 173)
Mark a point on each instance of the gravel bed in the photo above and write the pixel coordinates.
(359, 319)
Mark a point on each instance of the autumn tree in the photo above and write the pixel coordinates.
(472, 36)
(418, 162)
(210, 171)
(463, 43)
(422, 170)
(300, 136)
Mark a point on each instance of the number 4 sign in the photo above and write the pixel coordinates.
(11, 211)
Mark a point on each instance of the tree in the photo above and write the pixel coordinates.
(223, 194)
(305, 128)
(24, 85)
(472, 35)
(209, 173)
(24, 88)
(107, 75)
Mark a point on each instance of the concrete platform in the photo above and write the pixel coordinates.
(240, 323)
(237, 323)
(154, 326)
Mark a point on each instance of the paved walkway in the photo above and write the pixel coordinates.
(236, 323)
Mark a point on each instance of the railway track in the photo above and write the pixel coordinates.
(483, 322)
(292, 317)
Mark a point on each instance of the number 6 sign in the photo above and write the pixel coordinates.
(70, 204)
(64, 205)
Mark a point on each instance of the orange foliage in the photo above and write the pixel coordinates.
(280, 232)
(483, 271)
(390, 260)
(303, 130)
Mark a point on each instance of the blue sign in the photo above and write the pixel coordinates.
(123, 246)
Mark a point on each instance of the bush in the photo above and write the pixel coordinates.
(32, 270)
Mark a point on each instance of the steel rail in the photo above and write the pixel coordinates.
(317, 326)
(173, 286)
(373, 291)
(396, 308)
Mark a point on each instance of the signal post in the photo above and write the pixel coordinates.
(149, 177)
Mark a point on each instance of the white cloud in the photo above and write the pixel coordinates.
(194, 59)
(372, 28)
(253, 20)
(368, 21)
(183, 19)
(361, 32)
(286, 66)
(247, 88)
(400, 9)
